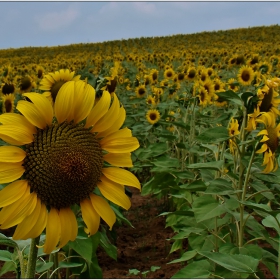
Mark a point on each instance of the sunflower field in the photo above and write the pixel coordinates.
(191, 120)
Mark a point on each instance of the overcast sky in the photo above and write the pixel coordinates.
(62, 23)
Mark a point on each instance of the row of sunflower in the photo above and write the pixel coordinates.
(205, 115)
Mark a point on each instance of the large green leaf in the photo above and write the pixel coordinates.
(206, 207)
(5, 256)
(230, 95)
(220, 186)
(207, 165)
(185, 257)
(195, 270)
(271, 222)
(213, 135)
(238, 263)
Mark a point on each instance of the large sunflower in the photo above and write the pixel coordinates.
(52, 82)
(56, 160)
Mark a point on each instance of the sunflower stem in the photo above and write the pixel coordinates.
(32, 258)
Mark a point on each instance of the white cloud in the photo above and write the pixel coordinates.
(57, 20)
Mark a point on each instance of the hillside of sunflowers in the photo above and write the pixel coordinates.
(188, 123)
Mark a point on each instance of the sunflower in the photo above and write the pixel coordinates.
(270, 141)
(8, 88)
(191, 73)
(8, 103)
(232, 84)
(26, 84)
(233, 132)
(60, 162)
(153, 116)
(154, 75)
(52, 82)
(140, 91)
(150, 100)
(169, 73)
(204, 98)
(245, 75)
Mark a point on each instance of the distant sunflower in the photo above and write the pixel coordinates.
(245, 75)
(154, 75)
(8, 88)
(56, 160)
(169, 73)
(204, 98)
(231, 84)
(26, 84)
(153, 116)
(191, 74)
(140, 91)
(233, 132)
(52, 82)
(150, 100)
(8, 103)
(270, 141)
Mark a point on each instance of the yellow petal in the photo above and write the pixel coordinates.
(104, 210)
(11, 154)
(84, 100)
(114, 192)
(116, 125)
(90, 216)
(12, 192)
(19, 120)
(10, 172)
(64, 102)
(42, 104)
(69, 226)
(121, 176)
(120, 159)
(106, 121)
(19, 210)
(32, 113)
(262, 149)
(99, 110)
(15, 134)
(41, 223)
(264, 139)
(28, 223)
(122, 133)
(263, 132)
(121, 145)
(53, 231)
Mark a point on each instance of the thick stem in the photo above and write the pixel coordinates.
(31, 266)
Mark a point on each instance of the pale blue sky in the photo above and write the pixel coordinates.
(62, 23)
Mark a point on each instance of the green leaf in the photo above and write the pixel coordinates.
(176, 246)
(69, 264)
(5, 256)
(84, 247)
(220, 186)
(158, 182)
(197, 185)
(43, 266)
(270, 222)
(8, 266)
(4, 240)
(207, 165)
(155, 268)
(195, 270)
(206, 207)
(213, 135)
(272, 268)
(109, 248)
(133, 271)
(230, 95)
(238, 263)
(185, 257)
